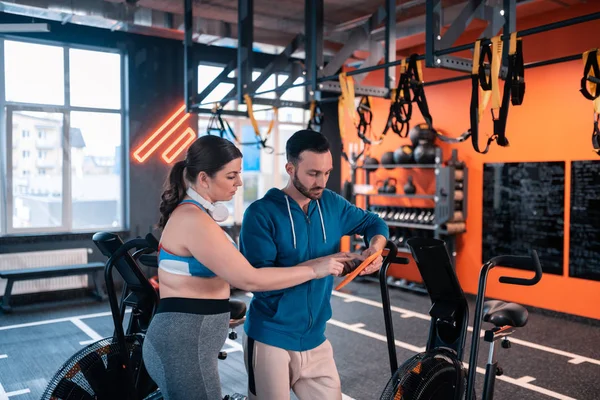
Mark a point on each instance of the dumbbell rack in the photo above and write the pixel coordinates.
(448, 220)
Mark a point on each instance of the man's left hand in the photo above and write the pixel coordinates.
(375, 264)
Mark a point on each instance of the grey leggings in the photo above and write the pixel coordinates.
(181, 347)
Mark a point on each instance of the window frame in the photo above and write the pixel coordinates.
(6, 169)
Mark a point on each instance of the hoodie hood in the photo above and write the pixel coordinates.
(277, 195)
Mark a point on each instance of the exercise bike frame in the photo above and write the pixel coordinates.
(385, 298)
(142, 246)
(521, 262)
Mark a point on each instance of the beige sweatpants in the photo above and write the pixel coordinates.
(273, 371)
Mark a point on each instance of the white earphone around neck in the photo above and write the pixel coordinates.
(218, 212)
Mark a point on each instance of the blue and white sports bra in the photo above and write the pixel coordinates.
(188, 266)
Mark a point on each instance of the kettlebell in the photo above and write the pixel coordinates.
(409, 187)
(388, 187)
(425, 153)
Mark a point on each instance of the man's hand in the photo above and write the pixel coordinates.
(377, 243)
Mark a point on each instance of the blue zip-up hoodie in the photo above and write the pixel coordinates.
(276, 232)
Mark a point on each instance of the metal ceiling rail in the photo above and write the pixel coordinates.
(455, 49)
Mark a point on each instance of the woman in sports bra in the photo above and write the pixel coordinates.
(197, 263)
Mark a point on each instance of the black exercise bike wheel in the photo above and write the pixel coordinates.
(95, 373)
(427, 376)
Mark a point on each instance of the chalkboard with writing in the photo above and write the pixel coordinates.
(523, 209)
(584, 246)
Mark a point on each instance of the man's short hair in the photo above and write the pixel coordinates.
(305, 140)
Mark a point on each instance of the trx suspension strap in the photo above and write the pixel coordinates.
(591, 77)
(316, 116)
(365, 115)
(480, 82)
(400, 106)
(260, 141)
(218, 125)
(514, 87)
(414, 75)
(345, 106)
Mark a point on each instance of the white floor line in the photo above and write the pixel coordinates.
(94, 336)
(404, 313)
(3, 356)
(57, 320)
(517, 382)
(5, 395)
(346, 397)
(374, 335)
(233, 346)
(18, 392)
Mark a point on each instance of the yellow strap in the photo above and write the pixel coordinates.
(420, 70)
(248, 101)
(512, 49)
(476, 55)
(341, 119)
(403, 66)
(272, 123)
(347, 87)
(313, 106)
(495, 71)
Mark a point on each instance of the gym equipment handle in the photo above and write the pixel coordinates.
(520, 262)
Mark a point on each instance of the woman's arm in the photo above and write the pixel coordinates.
(209, 245)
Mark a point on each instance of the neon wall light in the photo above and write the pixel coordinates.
(159, 137)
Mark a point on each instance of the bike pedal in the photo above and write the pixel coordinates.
(506, 343)
(233, 335)
(499, 371)
(222, 355)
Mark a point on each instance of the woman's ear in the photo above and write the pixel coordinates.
(202, 180)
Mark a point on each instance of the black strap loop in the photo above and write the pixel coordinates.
(590, 64)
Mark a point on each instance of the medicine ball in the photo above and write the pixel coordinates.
(388, 159)
(421, 133)
(404, 155)
(425, 153)
(371, 161)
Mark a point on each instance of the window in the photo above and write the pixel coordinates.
(34, 73)
(261, 170)
(64, 141)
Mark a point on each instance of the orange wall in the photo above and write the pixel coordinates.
(553, 124)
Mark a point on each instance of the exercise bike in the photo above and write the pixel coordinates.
(438, 372)
(113, 368)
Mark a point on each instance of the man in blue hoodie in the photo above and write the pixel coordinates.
(285, 345)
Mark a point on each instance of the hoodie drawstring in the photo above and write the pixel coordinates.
(292, 221)
(322, 223)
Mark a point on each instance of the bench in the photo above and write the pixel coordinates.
(89, 269)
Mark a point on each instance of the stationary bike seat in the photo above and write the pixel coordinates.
(237, 309)
(500, 313)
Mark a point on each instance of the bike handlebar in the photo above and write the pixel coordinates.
(522, 262)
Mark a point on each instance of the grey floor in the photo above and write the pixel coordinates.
(551, 358)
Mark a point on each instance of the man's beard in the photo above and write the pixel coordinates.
(313, 194)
